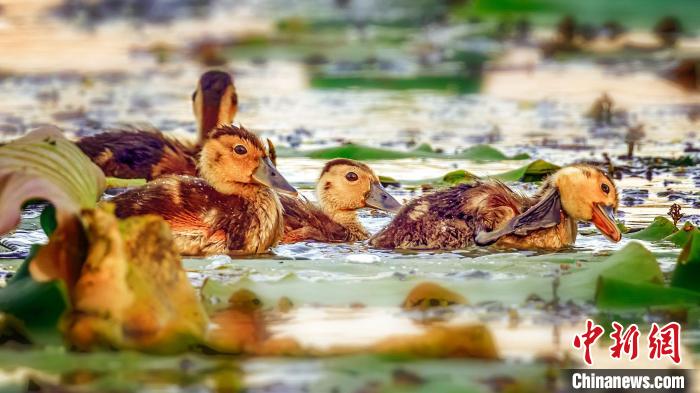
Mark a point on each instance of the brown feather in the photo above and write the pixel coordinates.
(450, 218)
(138, 154)
(305, 221)
(203, 220)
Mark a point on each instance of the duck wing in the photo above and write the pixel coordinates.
(544, 214)
(305, 221)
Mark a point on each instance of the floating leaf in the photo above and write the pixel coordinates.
(38, 305)
(425, 148)
(532, 172)
(633, 263)
(660, 228)
(458, 83)
(472, 341)
(458, 176)
(44, 165)
(687, 272)
(616, 293)
(427, 295)
(387, 181)
(240, 327)
(487, 153)
(683, 235)
(360, 152)
(132, 292)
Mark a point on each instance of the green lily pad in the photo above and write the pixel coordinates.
(360, 152)
(660, 228)
(488, 153)
(615, 293)
(39, 305)
(425, 148)
(687, 272)
(624, 292)
(683, 235)
(634, 263)
(458, 176)
(532, 172)
(388, 181)
(454, 83)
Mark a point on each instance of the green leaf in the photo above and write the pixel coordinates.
(660, 228)
(687, 272)
(633, 263)
(39, 306)
(360, 152)
(683, 235)
(482, 153)
(355, 151)
(616, 293)
(48, 220)
(424, 148)
(532, 172)
(458, 176)
(389, 181)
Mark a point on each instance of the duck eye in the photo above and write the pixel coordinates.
(240, 149)
(605, 188)
(351, 176)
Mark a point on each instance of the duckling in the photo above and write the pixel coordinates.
(148, 155)
(489, 212)
(231, 209)
(343, 187)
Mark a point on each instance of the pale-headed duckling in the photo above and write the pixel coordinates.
(343, 187)
(489, 212)
(147, 154)
(232, 209)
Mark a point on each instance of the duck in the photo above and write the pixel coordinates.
(488, 212)
(343, 187)
(141, 154)
(232, 208)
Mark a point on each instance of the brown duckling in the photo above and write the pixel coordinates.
(343, 187)
(489, 212)
(147, 154)
(231, 209)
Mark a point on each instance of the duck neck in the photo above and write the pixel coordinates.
(348, 219)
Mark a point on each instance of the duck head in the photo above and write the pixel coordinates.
(233, 157)
(349, 185)
(582, 192)
(214, 101)
(588, 194)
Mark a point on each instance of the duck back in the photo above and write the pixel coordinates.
(139, 154)
(305, 221)
(450, 218)
(203, 220)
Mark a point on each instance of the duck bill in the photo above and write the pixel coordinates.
(604, 220)
(379, 198)
(267, 175)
